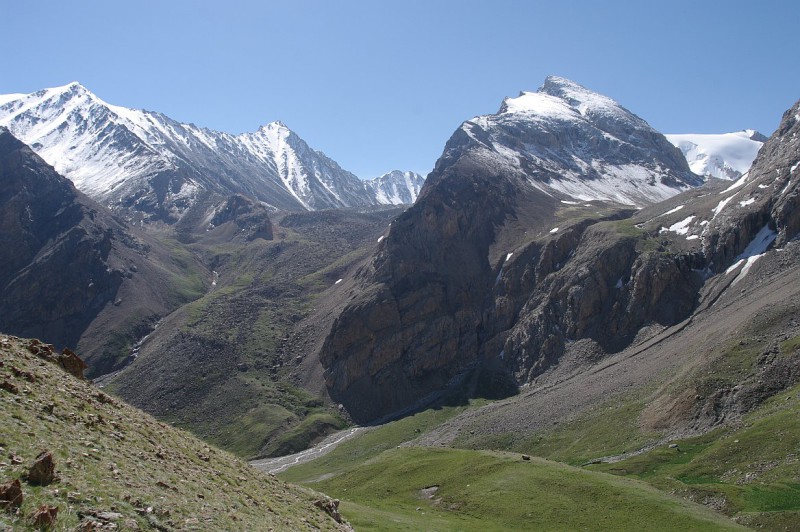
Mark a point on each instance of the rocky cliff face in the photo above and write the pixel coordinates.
(57, 243)
(490, 275)
(72, 274)
(507, 205)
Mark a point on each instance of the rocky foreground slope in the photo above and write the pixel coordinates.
(76, 457)
(495, 274)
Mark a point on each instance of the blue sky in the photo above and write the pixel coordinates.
(382, 85)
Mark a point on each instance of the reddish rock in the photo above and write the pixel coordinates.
(9, 386)
(72, 363)
(11, 495)
(42, 471)
(45, 517)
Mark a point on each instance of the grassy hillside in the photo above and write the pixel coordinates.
(117, 465)
(386, 483)
(423, 488)
(751, 471)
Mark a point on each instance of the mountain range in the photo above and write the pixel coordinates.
(151, 166)
(561, 264)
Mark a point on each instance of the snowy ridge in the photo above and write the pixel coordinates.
(149, 162)
(396, 187)
(724, 156)
(575, 144)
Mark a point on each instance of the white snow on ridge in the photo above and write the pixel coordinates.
(671, 211)
(739, 183)
(681, 228)
(725, 156)
(111, 152)
(539, 104)
(748, 263)
(5, 98)
(721, 205)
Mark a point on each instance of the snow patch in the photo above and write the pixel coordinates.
(540, 104)
(672, 211)
(721, 205)
(737, 184)
(748, 263)
(760, 242)
(509, 255)
(747, 202)
(681, 228)
(554, 230)
(338, 281)
(380, 239)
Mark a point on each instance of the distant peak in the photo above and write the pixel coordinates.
(276, 126)
(71, 89)
(559, 82)
(752, 134)
(73, 86)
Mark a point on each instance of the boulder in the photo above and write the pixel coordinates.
(42, 472)
(45, 517)
(11, 496)
(72, 363)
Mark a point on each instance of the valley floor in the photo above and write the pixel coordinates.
(705, 412)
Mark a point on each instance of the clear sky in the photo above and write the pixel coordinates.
(380, 85)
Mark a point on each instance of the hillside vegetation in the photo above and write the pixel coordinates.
(116, 467)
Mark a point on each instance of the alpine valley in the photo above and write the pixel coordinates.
(575, 322)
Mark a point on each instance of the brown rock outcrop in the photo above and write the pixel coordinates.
(72, 363)
(11, 495)
(43, 470)
(45, 517)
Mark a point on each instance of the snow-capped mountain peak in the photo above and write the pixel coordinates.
(573, 143)
(396, 187)
(146, 161)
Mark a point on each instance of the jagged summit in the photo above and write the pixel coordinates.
(562, 98)
(275, 125)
